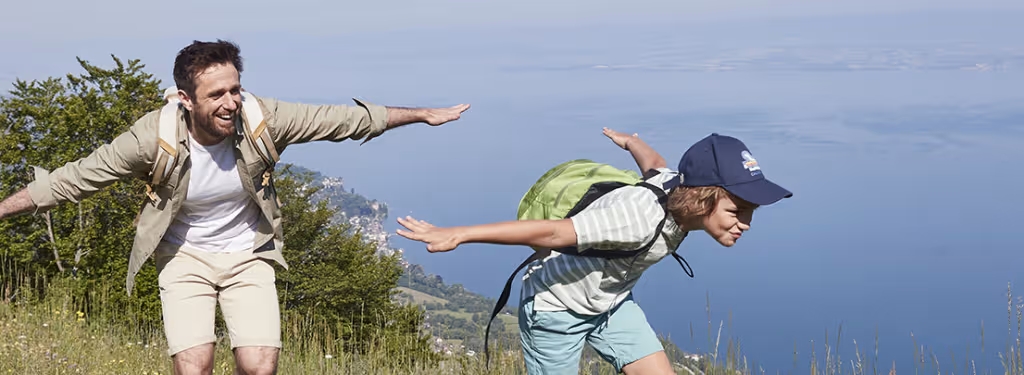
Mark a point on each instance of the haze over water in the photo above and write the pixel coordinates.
(897, 135)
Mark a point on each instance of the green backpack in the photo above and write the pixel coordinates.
(564, 191)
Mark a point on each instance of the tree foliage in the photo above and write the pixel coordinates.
(55, 121)
(337, 277)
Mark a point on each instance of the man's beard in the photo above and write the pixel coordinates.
(207, 124)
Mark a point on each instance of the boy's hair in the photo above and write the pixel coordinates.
(701, 201)
(199, 56)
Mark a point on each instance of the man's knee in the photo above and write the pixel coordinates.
(195, 360)
(256, 360)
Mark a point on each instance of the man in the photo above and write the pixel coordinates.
(215, 223)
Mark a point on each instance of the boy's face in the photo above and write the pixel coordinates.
(728, 221)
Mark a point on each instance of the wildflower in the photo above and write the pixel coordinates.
(328, 356)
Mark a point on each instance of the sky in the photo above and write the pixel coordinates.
(917, 100)
(68, 20)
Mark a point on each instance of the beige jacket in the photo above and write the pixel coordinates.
(132, 154)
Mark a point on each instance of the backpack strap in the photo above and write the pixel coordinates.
(259, 137)
(502, 301)
(167, 151)
(599, 189)
(663, 199)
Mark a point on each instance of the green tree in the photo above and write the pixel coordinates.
(337, 281)
(55, 121)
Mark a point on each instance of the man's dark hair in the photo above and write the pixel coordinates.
(198, 56)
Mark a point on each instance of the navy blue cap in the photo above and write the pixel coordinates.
(719, 160)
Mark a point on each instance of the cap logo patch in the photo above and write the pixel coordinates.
(749, 163)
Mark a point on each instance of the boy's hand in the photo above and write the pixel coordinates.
(620, 139)
(437, 239)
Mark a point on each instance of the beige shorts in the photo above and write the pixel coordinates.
(192, 282)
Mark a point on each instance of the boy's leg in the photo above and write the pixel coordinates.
(251, 312)
(552, 340)
(188, 299)
(626, 340)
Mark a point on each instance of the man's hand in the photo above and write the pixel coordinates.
(620, 139)
(437, 239)
(438, 116)
(400, 116)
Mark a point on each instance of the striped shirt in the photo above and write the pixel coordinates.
(623, 219)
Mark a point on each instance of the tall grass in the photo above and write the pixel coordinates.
(58, 334)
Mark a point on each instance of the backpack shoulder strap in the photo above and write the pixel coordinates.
(258, 133)
(167, 151)
(663, 199)
(259, 137)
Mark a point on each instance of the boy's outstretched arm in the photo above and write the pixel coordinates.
(646, 158)
(538, 233)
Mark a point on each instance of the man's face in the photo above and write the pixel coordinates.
(216, 103)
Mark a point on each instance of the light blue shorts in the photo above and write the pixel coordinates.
(553, 340)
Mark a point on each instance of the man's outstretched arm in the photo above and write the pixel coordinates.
(17, 204)
(294, 123)
(127, 155)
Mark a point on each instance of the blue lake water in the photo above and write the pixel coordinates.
(904, 214)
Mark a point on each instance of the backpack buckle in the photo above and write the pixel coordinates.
(151, 193)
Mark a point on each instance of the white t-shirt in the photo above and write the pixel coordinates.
(217, 214)
(623, 219)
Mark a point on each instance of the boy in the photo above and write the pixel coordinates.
(566, 298)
